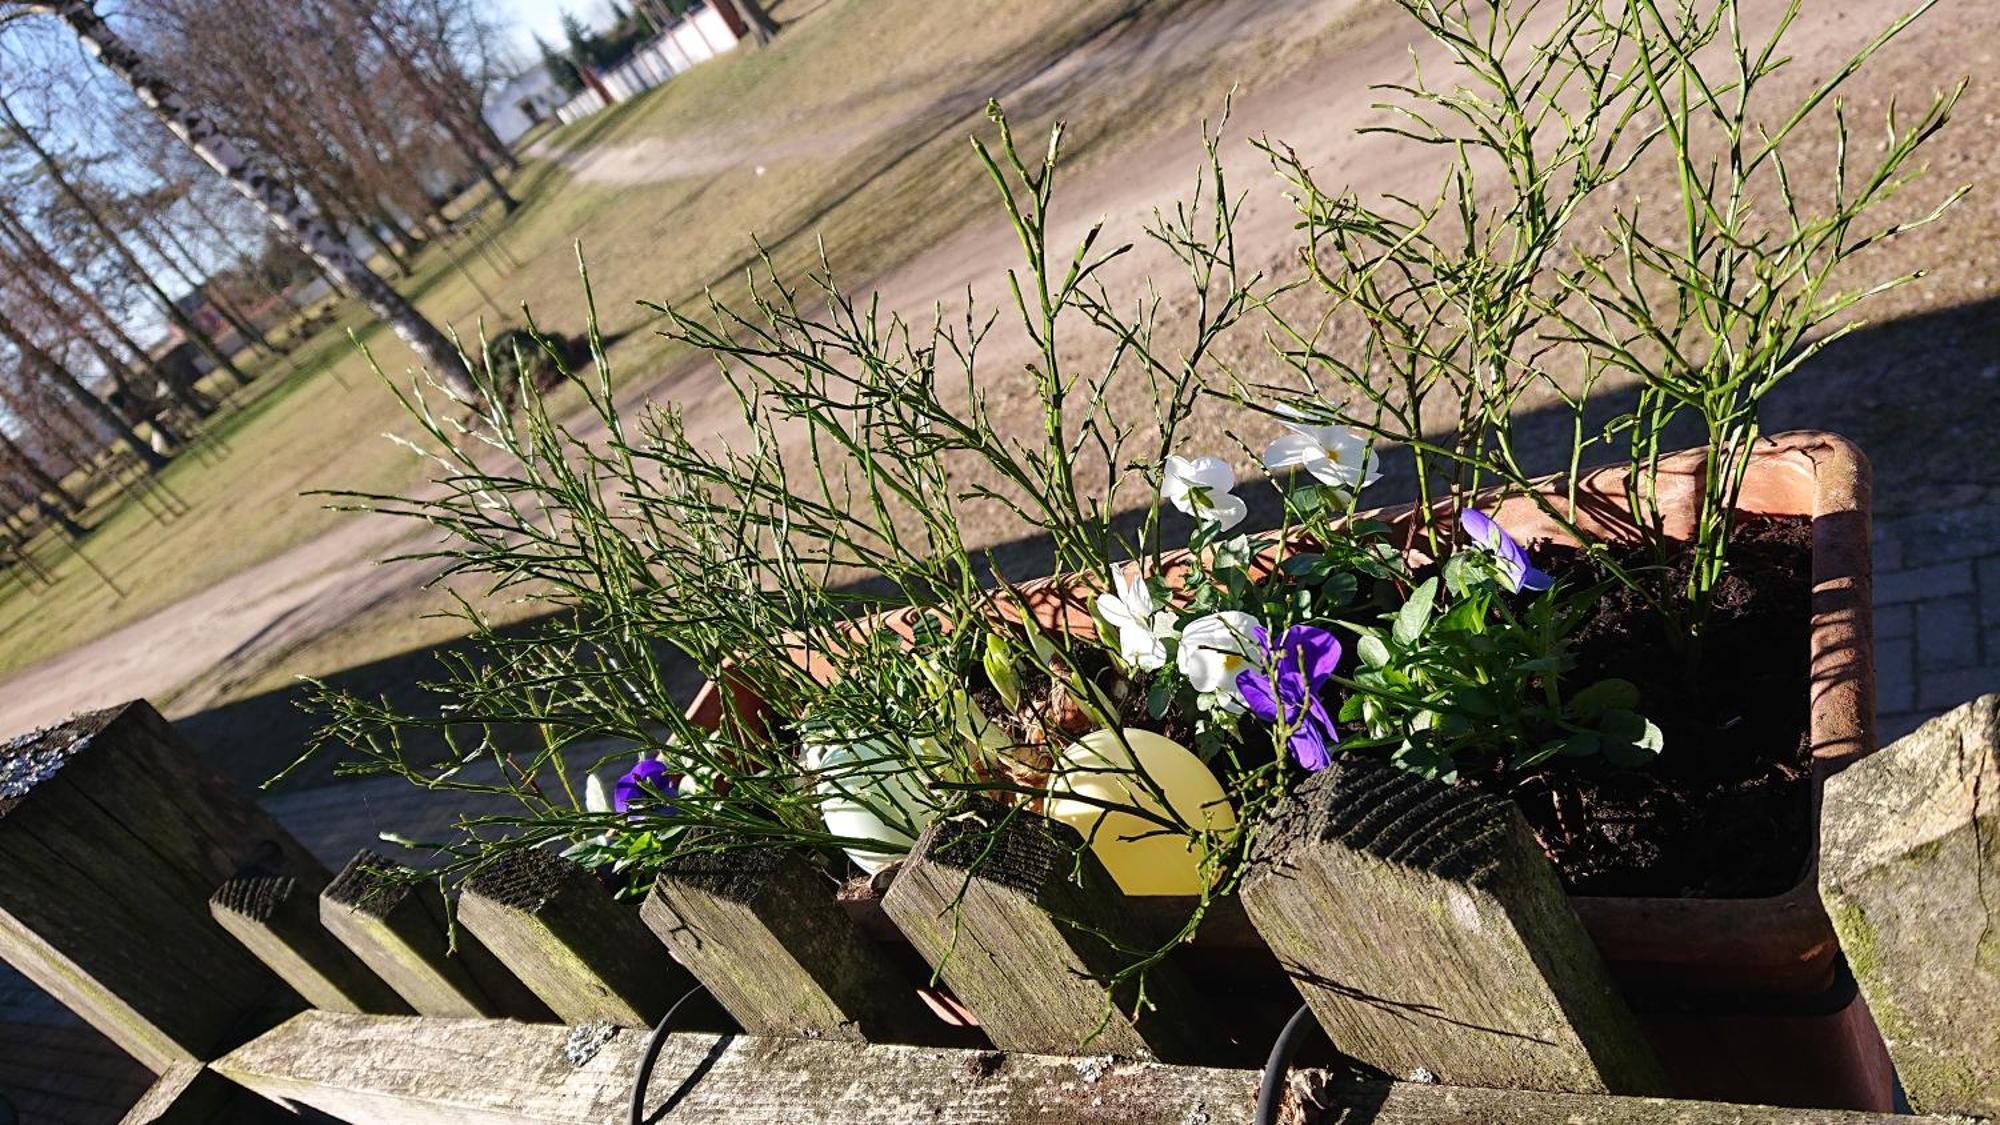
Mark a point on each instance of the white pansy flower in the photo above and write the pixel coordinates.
(1143, 628)
(1215, 650)
(1337, 455)
(1200, 486)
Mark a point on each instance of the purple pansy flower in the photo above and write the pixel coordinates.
(1514, 565)
(641, 783)
(1302, 660)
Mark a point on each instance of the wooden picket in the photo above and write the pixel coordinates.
(1421, 926)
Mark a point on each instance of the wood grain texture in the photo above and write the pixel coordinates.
(112, 834)
(193, 1094)
(1428, 933)
(587, 957)
(1910, 873)
(1026, 926)
(399, 929)
(389, 1070)
(762, 931)
(276, 917)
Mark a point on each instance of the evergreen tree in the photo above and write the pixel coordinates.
(559, 67)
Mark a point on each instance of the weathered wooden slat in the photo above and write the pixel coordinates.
(390, 1070)
(398, 928)
(762, 931)
(1428, 933)
(987, 898)
(556, 927)
(112, 834)
(193, 1094)
(1910, 873)
(276, 917)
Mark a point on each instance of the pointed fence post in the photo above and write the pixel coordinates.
(587, 956)
(113, 833)
(760, 928)
(1910, 873)
(987, 898)
(1427, 932)
(276, 917)
(398, 928)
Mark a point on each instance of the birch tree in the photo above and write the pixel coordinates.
(282, 206)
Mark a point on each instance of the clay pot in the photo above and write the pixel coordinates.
(1733, 965)
(1784, 944)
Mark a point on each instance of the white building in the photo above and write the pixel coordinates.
(523, 102)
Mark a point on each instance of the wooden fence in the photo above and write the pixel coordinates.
(1422, 927)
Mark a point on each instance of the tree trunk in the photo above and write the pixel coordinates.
(118, 247)
(56, 272)
(278, 202)
(66, 505)
(750, 22)
(440, 109)
(133, 404)
(96, 407)
(187, 265)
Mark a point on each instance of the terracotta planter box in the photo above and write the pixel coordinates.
(1780, 945)
(1783, 944)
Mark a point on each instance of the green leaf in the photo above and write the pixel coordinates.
(1528, 759)
(1298, 566)
(1338, 590)
(1416, 613)
(1158, 696)
(1580, 745)
(1602, 696)
(1462, 575)
(1372, 651)
(1630, 739)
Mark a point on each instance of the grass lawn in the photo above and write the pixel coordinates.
(850, 128)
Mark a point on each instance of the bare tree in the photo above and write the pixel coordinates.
(36, 262)
(195, 127)
(100, 412)
(68, 189)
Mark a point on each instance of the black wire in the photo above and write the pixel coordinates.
(1271, 1091)
(652, 1055)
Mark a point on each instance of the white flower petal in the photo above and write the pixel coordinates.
(596, 795)
(1142, 650)
(1227, 510)
(1112, 608)
(1216, 649)
(1290, 450)
(1332, 473)
(1212, 473)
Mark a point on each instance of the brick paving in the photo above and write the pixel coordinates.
(1937, 612)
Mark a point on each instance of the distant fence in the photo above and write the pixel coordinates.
(702, 34)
